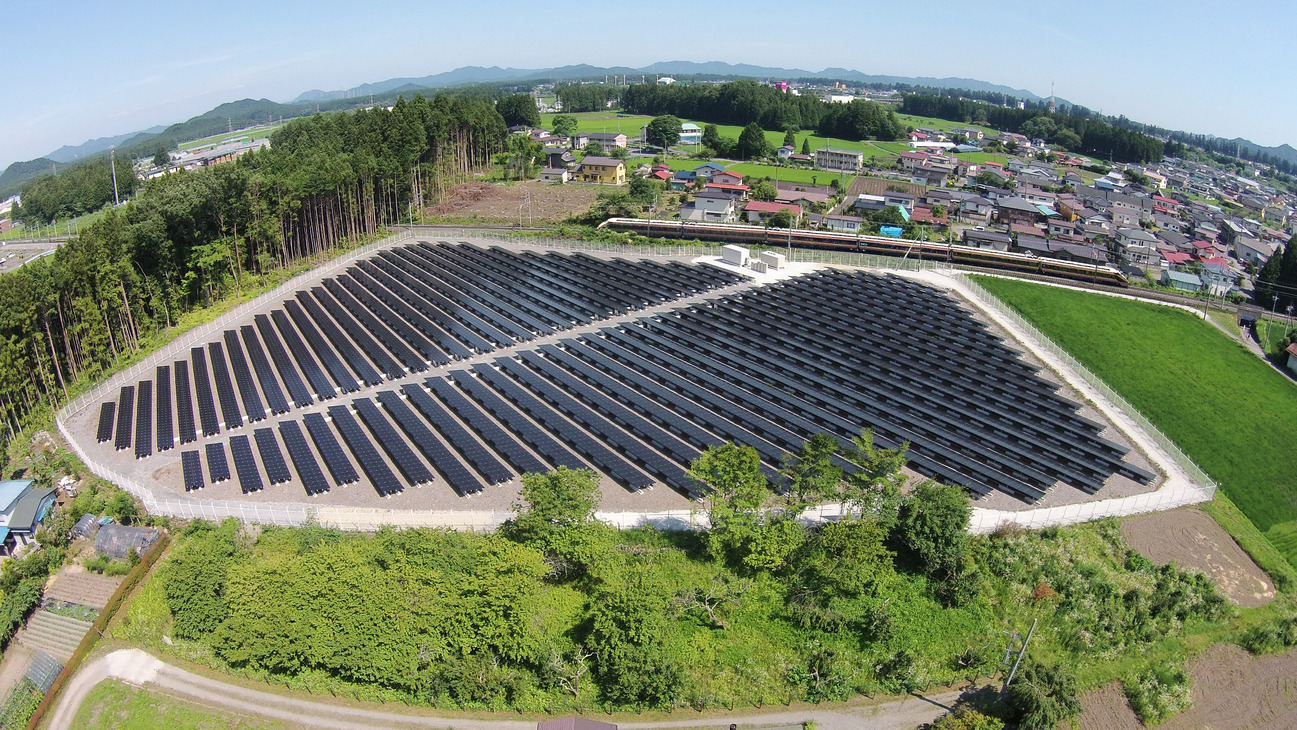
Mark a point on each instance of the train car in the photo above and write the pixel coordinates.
(952, 253)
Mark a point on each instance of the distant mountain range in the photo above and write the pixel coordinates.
(250, 112)
(95, 146)
(495, 74)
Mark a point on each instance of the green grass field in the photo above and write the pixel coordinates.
(793, 174)
(1228, 410)
(114, 705)
(980, 158)
(251, 133)
(941, 125)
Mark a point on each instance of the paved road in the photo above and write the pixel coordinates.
(140, 668)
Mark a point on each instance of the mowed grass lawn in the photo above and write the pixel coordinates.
(1229, 411)
(114, 705)
(629, 125)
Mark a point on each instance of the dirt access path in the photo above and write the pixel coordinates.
(1231, 690)
(140, 668)
(1191, 538)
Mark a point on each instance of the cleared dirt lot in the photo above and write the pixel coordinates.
(1192, 539)
(1231, 689)
(500, 203)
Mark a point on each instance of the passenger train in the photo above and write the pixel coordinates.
(952, 253)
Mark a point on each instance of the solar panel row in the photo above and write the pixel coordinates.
(245, 465)
(166, 427)
(144, 419)
(192, 466)
(218, 469)
(457, 436)
(265, 374)
(185, 428)
(125, 414)
(414, 470)
(375, 468)
(203, 389)
(252, 405)
(283, 364)
(308, 469)
(224, 386)
(326, 444)
(271, 457)
(459, 478)
(106, 413)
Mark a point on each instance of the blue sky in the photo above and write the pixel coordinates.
(78, 70)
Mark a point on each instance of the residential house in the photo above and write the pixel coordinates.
(579, 140)
(1061, 227)
(609, 139)
(738, 191)
(691, 133)
(827, 158)
(1291, 351)
(22, 507)
(869, 203)
(1034, 245)
(842, 223)
(902, 200)
(710, 206)
(785, 152)
(1216, 275)
(726, 177)
(804, 199)
(555, 174)
(1254, 251)
(558, 157)
(1017, 210)
(930, 176)
(602, 170)
(757, 211)
(1138, 248)
(1182, 280)
(992, 240)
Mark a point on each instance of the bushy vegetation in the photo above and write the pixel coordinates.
(1271, 637)
(1158, 693)
(1041, 697)
(967, 719)
(20, 704)
(1222, 405)
(557, 612)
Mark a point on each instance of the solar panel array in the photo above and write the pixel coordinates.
(832, 352)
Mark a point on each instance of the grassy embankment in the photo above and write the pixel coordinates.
(1230, 412)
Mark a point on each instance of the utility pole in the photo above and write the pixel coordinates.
(1018, 654)
(112, 165)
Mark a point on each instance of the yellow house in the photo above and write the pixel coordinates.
(604, 170)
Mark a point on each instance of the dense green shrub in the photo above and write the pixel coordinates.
(967, 719)
(1106, 597)
(1272, 637)
(1041, 697)
(1158, 693)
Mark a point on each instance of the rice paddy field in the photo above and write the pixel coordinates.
(1226, 408)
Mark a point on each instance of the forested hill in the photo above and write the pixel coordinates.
(11, 181)
(1074, 131)
(189, 239)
